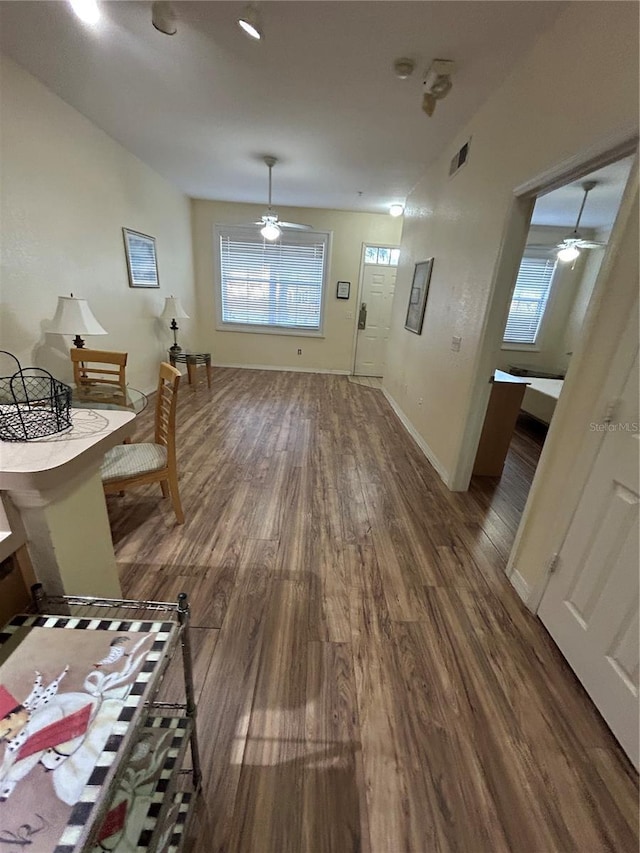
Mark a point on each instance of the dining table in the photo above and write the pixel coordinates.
(95, 396)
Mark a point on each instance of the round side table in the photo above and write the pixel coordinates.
(192, 360)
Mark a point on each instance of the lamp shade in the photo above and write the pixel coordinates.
(74, 317)
(173, 310)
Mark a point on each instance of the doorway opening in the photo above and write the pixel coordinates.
(549, 302)
(378, 268)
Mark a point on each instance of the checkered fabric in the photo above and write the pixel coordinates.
(129, 460)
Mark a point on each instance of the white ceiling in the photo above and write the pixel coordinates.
(319, 92)
(561, 206)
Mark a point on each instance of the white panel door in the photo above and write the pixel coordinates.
(378, 285)
(590, 605)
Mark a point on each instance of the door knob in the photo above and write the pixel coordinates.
(362, 316)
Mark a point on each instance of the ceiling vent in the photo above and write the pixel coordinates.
(459, 158)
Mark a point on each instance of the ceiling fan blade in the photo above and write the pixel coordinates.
(295, 226)
(590, 244)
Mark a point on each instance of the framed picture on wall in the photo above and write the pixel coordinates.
(343, 290)
(418, 296)
(142, 264)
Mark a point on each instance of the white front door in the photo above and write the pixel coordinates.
(378, 285)
(590, 605)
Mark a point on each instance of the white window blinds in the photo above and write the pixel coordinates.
(277, 285)
(529, 298)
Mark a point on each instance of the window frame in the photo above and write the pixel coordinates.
(260, 329)
(377, 247)
(535, 345)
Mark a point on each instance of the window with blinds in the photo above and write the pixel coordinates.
(529, 299)
(272, 285)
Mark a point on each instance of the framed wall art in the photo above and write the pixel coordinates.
(418, 296)
(343, 290)
(142, 264)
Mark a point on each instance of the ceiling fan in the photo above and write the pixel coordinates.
(272, 225)
(568, 249)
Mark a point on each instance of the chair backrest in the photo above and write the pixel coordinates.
(89, 368)
(166, 401)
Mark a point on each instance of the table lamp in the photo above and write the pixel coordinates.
(74, 317)
(173, 309)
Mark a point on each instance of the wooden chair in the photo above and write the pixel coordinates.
(99, 374)
(130, 465)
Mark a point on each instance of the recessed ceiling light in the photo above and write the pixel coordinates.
(86, 10)
(251, 22)
(396, 209)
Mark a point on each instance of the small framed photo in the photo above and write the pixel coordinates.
(418, 296)
(343, 290)
(142, 264)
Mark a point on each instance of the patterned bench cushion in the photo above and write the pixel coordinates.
(129, 460)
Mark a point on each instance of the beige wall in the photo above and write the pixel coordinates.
(67, 189)
(333, 352)
(554, 105)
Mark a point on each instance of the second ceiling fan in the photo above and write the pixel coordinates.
(568, 249)
(272, 225)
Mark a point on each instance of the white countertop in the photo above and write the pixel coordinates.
(48, 462)
(501, 376)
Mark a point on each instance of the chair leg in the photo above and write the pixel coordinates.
(175, 497)
(164, 485)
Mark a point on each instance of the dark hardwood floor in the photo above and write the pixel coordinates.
(367, 678)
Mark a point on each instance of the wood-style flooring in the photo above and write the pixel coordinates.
(367, 678)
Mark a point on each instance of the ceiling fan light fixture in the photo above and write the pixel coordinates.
(568, 254)
(86, 10)
(250, 21)
(396, 209)
(270, 231)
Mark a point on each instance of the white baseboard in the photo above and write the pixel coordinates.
(419, 440)
(521, 587)
(286, 369)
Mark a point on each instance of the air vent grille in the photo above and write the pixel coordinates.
(459, 158)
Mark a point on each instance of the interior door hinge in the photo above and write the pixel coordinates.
(552, 563)
(610, 411)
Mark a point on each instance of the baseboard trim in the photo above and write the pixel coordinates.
(521, 587)
(284, 369)
(419, 440)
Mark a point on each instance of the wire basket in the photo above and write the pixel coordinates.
(32, 404)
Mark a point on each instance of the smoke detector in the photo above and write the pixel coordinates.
(403, 67)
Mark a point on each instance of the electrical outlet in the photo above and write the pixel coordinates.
(456, 341)
(420, 401)
(349, 315)
(299, 352)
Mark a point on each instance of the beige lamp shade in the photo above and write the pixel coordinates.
(74, 317)
(173, 310)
